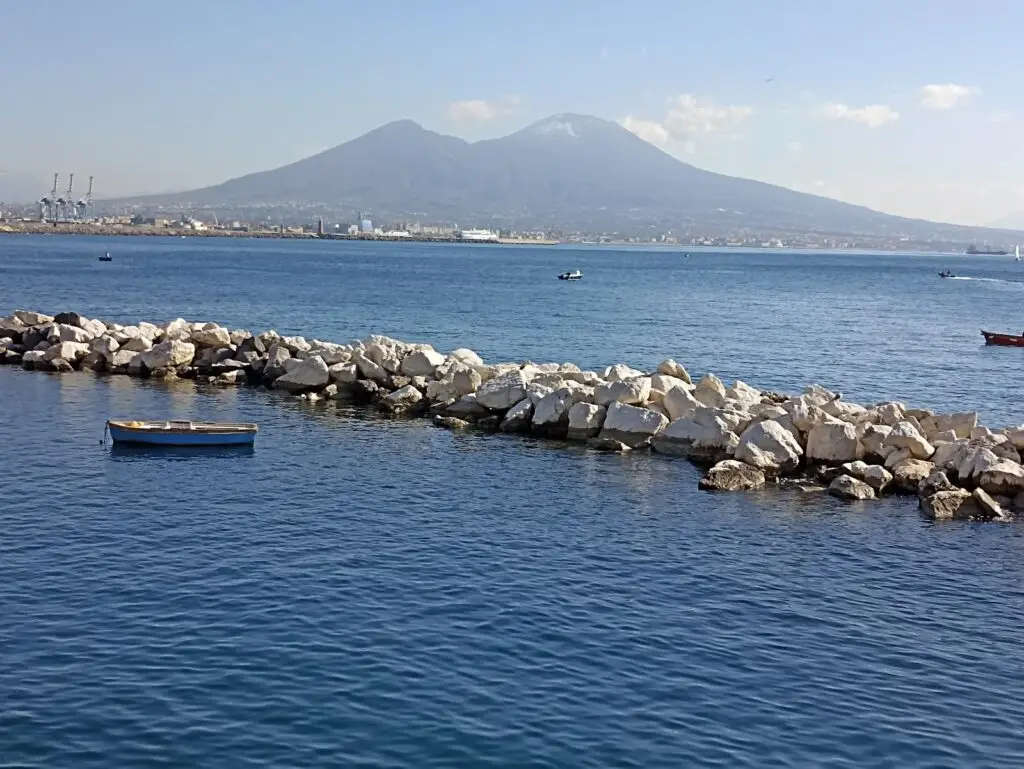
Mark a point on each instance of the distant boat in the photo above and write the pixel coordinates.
(986, 250)
(574, 275)
(182, 433)
(1003, 340)
(1016, 253)
(946, 274)
(106, 257)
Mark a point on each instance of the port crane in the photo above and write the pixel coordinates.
(47, 202)
(83, 207)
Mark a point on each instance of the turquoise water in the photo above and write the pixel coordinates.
(359, 592)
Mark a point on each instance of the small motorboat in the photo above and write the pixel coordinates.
(946, 274)
(106, 257)
(182, 433)
(574, 275)
(1003, 340)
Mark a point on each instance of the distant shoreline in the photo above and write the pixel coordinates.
(35, 228)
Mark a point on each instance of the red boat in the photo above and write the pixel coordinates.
(1003, 340)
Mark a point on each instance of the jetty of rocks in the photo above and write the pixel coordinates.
(746, 437)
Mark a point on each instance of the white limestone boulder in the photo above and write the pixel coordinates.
(1004, 477)
(69, 351)
(65, 333)
(632, 392)
(467, 356)
(168, 355)
(770, 447)
(585, 421)
(875, 476)
(671, 368)
(518, 418)
(31, 318)
(710, 391)
(104, 345)
(679, 403)
(631, 425)
(620, 372)
(343, 373)
(504, 391)
(211, 335)
(304, 376)
(703, 436)
(369, 368)
(904, 435)
(402, 400)
(962, 423)
(422, 362)
(833, 443)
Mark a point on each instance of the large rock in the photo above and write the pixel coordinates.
(34, 359)
(459, 381)
(988, 507)
(369, 369)
(1003, 477)
(950, 505)
(504, 391)
(422, 363)
(344, 373)
(517, 419)
(179, 329)
(631, 425)
(1016, 437)
(403, 400)
(904, 435)
(833, 443)
(120, 361)
(770, 447)
(212, 337)
(731, 475)
(585, 421)
(467, 356)
(710, 391)
(275, 365)
(168, 355)
(104, 345)
(704, 437)
(632, 392)
(805, 414)
(73, 334)
(848, 487)
(875, 476)
(137, 344)
(961, 424)
(69, 351)
(679, 402)
(551, 413)
(934, 483)
(620, 372)
(30, 318)
(908, 475)
(309, 374)
(467, 408)
(671, 368)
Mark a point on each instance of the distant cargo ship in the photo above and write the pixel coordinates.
(973, 249)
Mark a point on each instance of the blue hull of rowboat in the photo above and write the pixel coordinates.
(182, 433)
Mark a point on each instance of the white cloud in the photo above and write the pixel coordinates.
(794, 147)
(480, 111)
(873, 115)
(649, 130)
(947, 95)
(687, 119)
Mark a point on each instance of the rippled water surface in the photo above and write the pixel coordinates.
(358, 592)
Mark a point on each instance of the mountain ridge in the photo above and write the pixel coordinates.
(568, 170)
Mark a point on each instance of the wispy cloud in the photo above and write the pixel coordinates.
(794, 147)
(947, 95)
(481, 111)
(872, 116)
(687, 119)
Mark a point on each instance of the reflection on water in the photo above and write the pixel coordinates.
(137, 452)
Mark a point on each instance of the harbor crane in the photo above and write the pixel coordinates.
(47, 202)
(66, 203)
(83, 207)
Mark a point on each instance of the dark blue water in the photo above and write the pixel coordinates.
(357, 592)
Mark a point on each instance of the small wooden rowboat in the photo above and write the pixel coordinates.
(1003, 340)
(182, 433)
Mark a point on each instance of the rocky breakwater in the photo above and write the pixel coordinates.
(746, 437)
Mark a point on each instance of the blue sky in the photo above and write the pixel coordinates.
(158, 96)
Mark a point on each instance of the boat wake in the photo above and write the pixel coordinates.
(989, 280)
